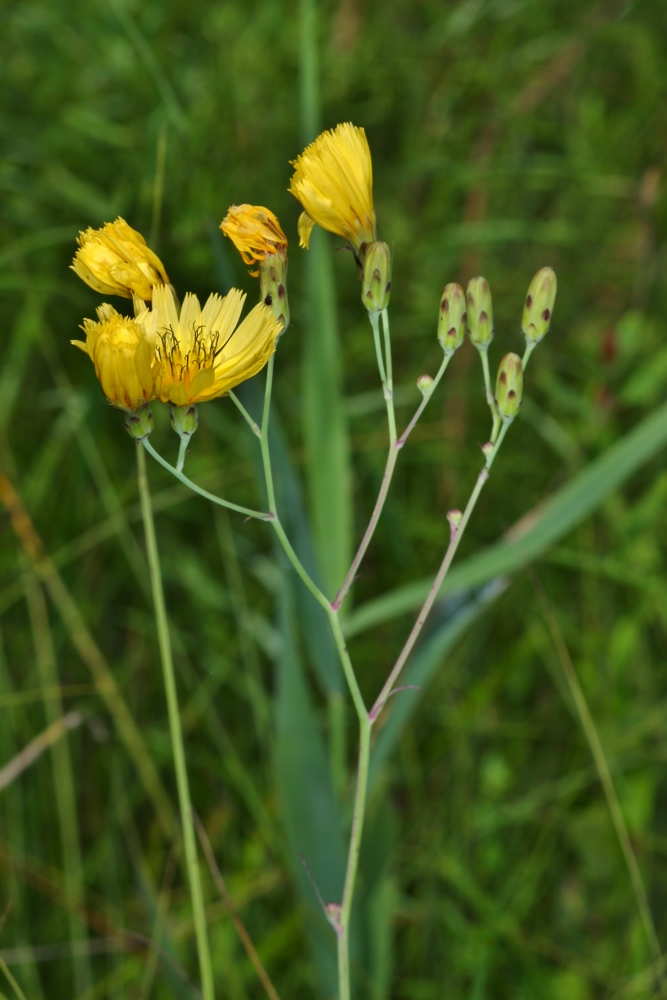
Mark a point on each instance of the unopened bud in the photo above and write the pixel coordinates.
(454, 518)
(377, 277)
(509, 387)
(539, 305)
(139, 423)
(184, 419)
(424, 383)
(487, 449)
(480, 313)
(452, 318)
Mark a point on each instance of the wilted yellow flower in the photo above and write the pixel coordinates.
(257, 235)
(115, 260)
(333, 180)
(123, 352)
(202, 353)
(255, 232)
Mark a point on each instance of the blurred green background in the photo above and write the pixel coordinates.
(506, 135)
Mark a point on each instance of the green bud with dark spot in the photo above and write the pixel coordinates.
(480, 313)
(140, 422)
(539, 305)
(509, 387)
(273, 286)
(452, 318)
(184, 419)
(376, 288)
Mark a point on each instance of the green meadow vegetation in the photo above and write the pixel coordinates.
(516, 838)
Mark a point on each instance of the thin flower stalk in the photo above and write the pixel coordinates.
(392, 458)
(259, 514)
(189, 839)
(455, 539)
(384, 367)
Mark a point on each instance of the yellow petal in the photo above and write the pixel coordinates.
(305, 227)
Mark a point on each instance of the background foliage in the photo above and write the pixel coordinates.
(506, 134)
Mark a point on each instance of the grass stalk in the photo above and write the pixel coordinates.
(189, 839)
(604, 774)
(63, 779)
(89, 652)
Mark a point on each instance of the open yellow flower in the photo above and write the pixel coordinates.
(203, 353)
(255, 232)
(333, 180)
(123, 352)
(115, 260)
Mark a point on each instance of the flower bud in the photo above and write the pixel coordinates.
(424, 383)
(184, 419)
(480, 313)
(452, 318)
(454, 517)
(509, 387)
(539, 305)
(140, 423)
(377, 277)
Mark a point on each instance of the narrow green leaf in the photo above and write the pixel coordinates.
(325, 421)
(547, 524)
(326, 438)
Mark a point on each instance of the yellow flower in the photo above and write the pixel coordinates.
(255, 232)
(203, 353)
(123, 352)
(115, 260)
(257, 235)
(333, 180)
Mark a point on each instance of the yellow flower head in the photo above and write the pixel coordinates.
(333, 180)
(123, 352)
(203, 353)
(115, 260)
(255, 232)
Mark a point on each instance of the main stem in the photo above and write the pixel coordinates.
(341, 922)
(189, 840)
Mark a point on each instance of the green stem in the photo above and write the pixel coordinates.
(182, 448)
(189, 840)
(244, 413)
(530, 347)
(455, 539)
(392, 457)
(386, 389)
(343, 925)
(259, 514)
(342, 922)
(390, 376)
(490, 398)
(271, 495)
(264, 437)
